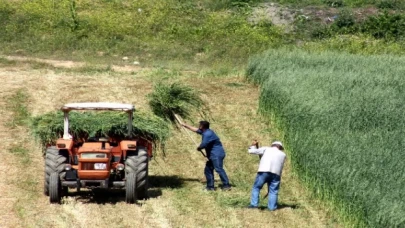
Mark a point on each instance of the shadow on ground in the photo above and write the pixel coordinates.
(282, 206)
(113, 196)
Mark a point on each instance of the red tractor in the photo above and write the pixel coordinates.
(97, 162)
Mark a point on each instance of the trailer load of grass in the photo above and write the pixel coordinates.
(343, 120)
(168, 100)
(49, 127)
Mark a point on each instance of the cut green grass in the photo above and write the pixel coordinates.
(21, 153)
(7, 62)
(17, 104)
(48, 128)
(170, 99)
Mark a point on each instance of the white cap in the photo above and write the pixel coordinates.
(277, 143)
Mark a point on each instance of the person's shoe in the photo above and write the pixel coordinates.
(226, 188)
(208, 189)
(251, 207)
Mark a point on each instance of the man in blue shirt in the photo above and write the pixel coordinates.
(215, 154)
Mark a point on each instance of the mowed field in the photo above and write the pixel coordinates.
(177, 199)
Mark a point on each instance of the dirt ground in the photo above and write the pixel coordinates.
(177, 199)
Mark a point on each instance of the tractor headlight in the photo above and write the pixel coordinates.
(120, 167)
(68, 167)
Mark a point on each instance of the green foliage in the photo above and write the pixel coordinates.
(22, 153)
(356, 44)
(166, 100)
(49, 127)
(334, 3)
(227, 4)
(163, 30)
(7, 62)
(391, 4)
(206, 33)
(343, 120)
(387, 26)
(345, 20)
(398, 4)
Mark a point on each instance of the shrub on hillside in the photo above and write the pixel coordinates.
(385, 26)
(334, 3)
(390, 4)
(345, 19)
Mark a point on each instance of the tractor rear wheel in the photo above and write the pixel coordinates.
(130, 188)
(138, 163)
(54, 163)
(55, 188)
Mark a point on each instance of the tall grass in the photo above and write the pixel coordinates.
(344, 123)
(17, 104)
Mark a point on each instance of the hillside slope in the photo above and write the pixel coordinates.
(191, 34)
(177, 196)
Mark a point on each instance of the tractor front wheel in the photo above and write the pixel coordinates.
(137, 163)
(130, 188)
(55, 188)
(54, 163)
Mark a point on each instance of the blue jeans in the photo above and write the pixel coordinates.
(273, 183)
(217, 164)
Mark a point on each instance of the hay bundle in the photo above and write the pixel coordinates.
(168, 100)
(49, 127)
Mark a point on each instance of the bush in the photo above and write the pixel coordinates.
(385, 26)
(345, 19)
(343, 120)
(390, 4)
(334, 3)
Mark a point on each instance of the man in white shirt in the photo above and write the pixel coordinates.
(271, 165)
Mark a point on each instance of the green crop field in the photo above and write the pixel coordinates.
(344, 122)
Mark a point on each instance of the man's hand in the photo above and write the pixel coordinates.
(191, 128)
(199, 149)
(255, 143)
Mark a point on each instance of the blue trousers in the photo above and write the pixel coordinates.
(273, 183)
(217, 164)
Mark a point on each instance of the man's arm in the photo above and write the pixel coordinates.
(254, 148)
(204, 143)
(191, 128)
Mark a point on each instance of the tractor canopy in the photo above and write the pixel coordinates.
(99, 106)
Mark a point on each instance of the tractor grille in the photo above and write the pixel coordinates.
(94, 166)
(93, 155)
